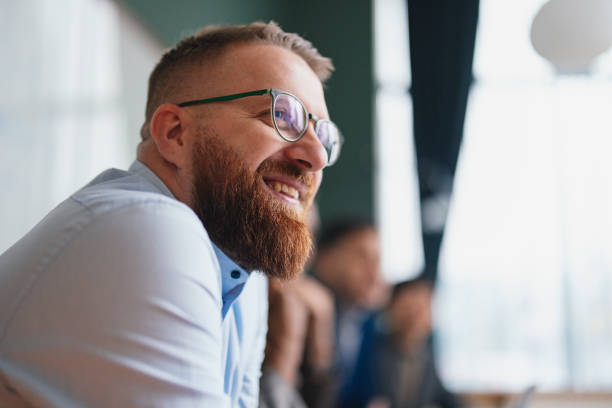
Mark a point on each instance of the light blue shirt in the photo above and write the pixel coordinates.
(118, 298)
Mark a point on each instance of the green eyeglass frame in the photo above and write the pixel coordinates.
(332, 140)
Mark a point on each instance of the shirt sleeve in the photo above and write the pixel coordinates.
(128, 314)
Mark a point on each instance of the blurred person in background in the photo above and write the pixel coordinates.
(396, 366)
(298, 365)
(348, 263)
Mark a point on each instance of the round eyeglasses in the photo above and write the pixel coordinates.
(290, 119)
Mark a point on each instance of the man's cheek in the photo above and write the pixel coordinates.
(314, 189)
(318, 180)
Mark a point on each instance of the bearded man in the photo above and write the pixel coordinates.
(140, 290)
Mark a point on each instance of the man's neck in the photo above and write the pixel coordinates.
(167, 172)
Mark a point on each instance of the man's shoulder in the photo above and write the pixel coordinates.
(112, 242)
(114, 218)
(114, 190)
(125, 210)
(127, 206)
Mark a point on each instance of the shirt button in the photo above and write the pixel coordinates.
(235, 274)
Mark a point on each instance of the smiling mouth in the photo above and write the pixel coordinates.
(283, 189)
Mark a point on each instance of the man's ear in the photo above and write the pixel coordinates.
(168, 131)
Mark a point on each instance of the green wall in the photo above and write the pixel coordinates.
(340, 29)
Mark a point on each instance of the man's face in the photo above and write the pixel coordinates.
(352, 267)
(240, 163)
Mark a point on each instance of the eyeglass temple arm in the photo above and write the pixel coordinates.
(226, 97)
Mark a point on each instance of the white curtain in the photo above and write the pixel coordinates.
(397, 200)
(526, 270)
(525, 290)
(73, 78)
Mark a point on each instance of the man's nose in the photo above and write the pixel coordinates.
(308, 152)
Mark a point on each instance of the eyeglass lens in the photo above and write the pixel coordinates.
(291, 120)
(289, 116)
(329, 137)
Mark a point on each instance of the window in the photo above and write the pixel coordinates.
(397, 203)
(525, 290)
(73, 91)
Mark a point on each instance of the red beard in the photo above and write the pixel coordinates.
(257, 231)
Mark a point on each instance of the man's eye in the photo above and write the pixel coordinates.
(279, 114)
(285, 117)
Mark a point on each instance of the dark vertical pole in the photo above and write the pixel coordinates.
(442, 36)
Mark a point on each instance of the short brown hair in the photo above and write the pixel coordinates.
(172, 69)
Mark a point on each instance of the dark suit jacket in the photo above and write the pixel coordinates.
(405, 380)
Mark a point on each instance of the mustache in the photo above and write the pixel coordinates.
(288, 169)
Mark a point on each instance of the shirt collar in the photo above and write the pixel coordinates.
(143, 171)
(233, 277)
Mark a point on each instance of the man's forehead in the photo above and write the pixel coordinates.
(259, 58)
(252, 66)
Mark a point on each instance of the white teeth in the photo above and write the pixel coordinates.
(285, 189)
(293, 192)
